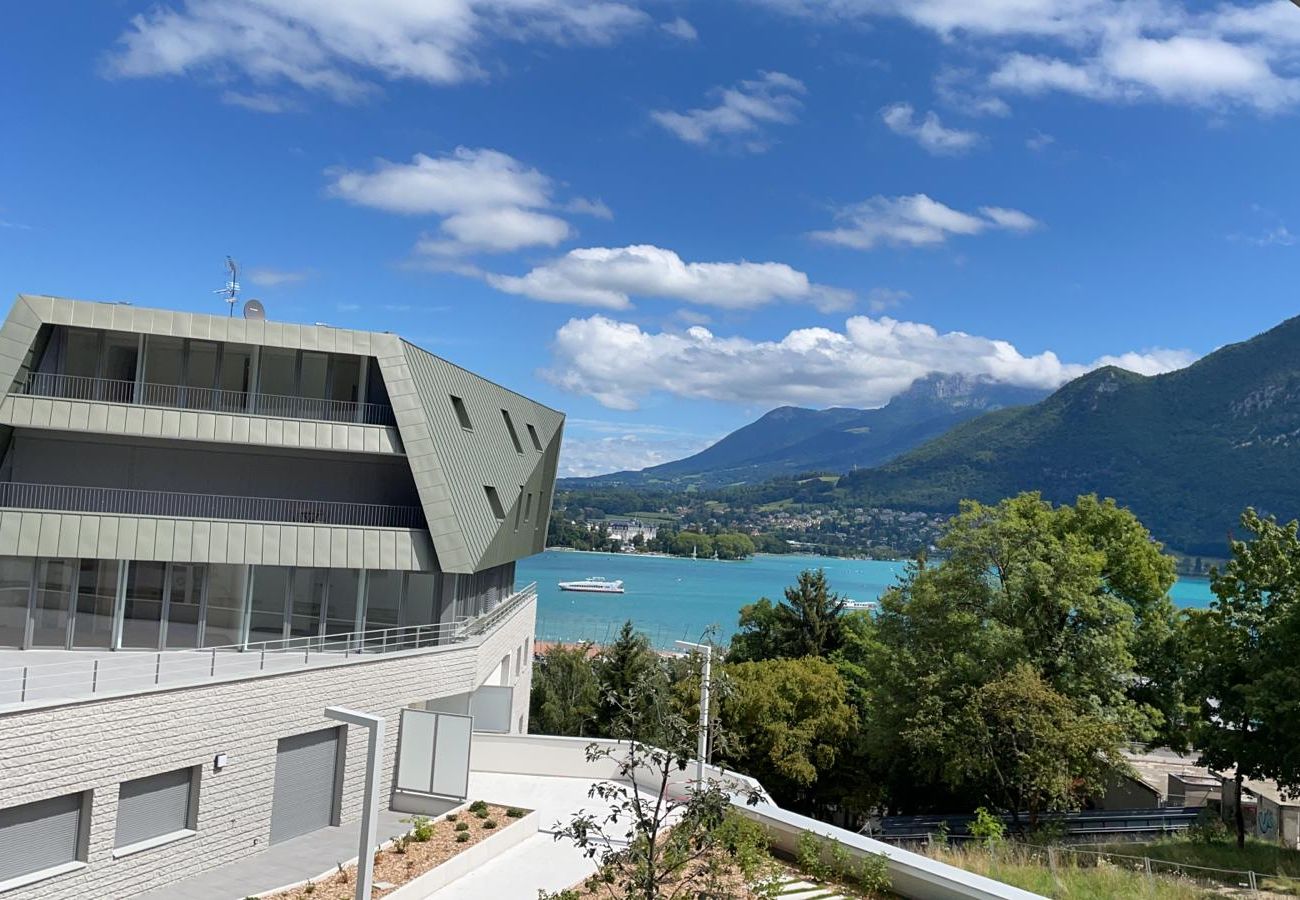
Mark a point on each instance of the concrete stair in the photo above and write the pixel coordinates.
(788, 888)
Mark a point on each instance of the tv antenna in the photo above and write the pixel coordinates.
(231, 290)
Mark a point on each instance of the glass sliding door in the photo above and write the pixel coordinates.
(313, 385)
(267, 618)
(142, 619)
(164, 362)
(278, 374)
(236, 366)
(185, 591)
(225, 609)
(15, 590)
(341, 611)
(121, 359)
(55, 582)
(200, 374)
(307, 602)
(96, 599)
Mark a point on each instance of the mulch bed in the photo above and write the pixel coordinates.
(395, 868)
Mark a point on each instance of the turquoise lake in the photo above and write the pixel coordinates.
(677, 599)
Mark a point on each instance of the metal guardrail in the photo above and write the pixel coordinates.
(109, 390)
(133, 670)
(170, 504)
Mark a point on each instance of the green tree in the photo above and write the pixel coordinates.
(787, 719)
(733, 545)
(627, 674)
(808, 622)
(1066, 592)
(1246, 654)
(692, 543)
(564, 693)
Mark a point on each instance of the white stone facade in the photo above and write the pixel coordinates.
(96, 745)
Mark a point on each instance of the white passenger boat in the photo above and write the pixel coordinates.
(862, 605)
(593, 586)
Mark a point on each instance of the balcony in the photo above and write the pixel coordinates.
(175, 505)
(108, 390)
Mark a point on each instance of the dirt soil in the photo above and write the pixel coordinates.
(394, 868)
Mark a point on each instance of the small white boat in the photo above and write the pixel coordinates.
(862, 605)
(593, 586)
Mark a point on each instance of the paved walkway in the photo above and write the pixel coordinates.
(794, 889)
(286, 863)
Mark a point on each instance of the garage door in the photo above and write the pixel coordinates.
(305, 784)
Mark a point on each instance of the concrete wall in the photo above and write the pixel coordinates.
(98, 461)
(97, 745)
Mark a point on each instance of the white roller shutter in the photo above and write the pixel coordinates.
(154, 806)
(40, 835)
(305, 784)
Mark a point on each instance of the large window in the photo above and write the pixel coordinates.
(51, 616)
(145, 586)
(266, 619)
(225, 605)
(154, 809)
(341, 612)
(383, 599)
(185, 593)
(15, 590)
(308, 601)
(43, 838)
(96, 598)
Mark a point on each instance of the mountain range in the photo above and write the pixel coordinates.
(1186, 451)
(791, 440)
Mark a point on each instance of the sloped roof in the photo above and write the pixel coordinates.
(451, 465)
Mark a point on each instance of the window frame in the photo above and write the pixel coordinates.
(191, 825)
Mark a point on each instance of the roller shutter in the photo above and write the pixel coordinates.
(154, 806)
(305, 784)
(40, 835)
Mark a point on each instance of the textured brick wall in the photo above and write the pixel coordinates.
(97, 745)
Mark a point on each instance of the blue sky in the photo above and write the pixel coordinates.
(666, 218)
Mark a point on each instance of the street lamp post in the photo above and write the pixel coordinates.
(702, 751)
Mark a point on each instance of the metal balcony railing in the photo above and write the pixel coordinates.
(109, 390)
(76, 674)
(170, 504)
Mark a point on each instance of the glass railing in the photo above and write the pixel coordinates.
(109, 390)
(170, 504)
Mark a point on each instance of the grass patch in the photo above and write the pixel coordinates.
(1279, 866)
(1087, 881)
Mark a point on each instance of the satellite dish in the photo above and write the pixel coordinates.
(254, 309)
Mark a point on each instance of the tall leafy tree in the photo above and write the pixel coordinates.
(1246, 650)
(787, 720)
(564, 693)
(806, 623)
(627, 673)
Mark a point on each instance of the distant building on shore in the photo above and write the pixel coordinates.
(625, 530)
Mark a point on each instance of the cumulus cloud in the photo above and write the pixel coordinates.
(610, 277)
(740, 113)
(267, 277)
(336, 47)
(680, 29)
(1223, 54)
(916, 221)
(594, 447)
(489, 201)
(866, 364)
(928, 130)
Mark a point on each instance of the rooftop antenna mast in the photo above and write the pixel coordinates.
(231, 290)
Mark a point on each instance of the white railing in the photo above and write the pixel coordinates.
(126, 671)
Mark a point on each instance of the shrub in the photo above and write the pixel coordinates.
(421, 828)
(747, 843)
(481, 813)
(452, 817)
(987, 828)
(873, 873)
(514, 813)
(462, 837)
(808, 853)
(478, 806)
(1207, 829)
(489, 823)
(462, 826)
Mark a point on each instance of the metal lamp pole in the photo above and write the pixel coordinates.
(707, 650)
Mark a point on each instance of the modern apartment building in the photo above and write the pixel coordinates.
(211, 529)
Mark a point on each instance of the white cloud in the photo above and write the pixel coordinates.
(266, 277)
(586, 206)
(594, 447)
(740, 113)
(880, 299)
(489, 201)
(610, 277)
(866, 364)
(680, 29)
(1039, 141)
(916, 221)
(257, 101)
(928, 131)
(336, 46)
(1223, 54)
